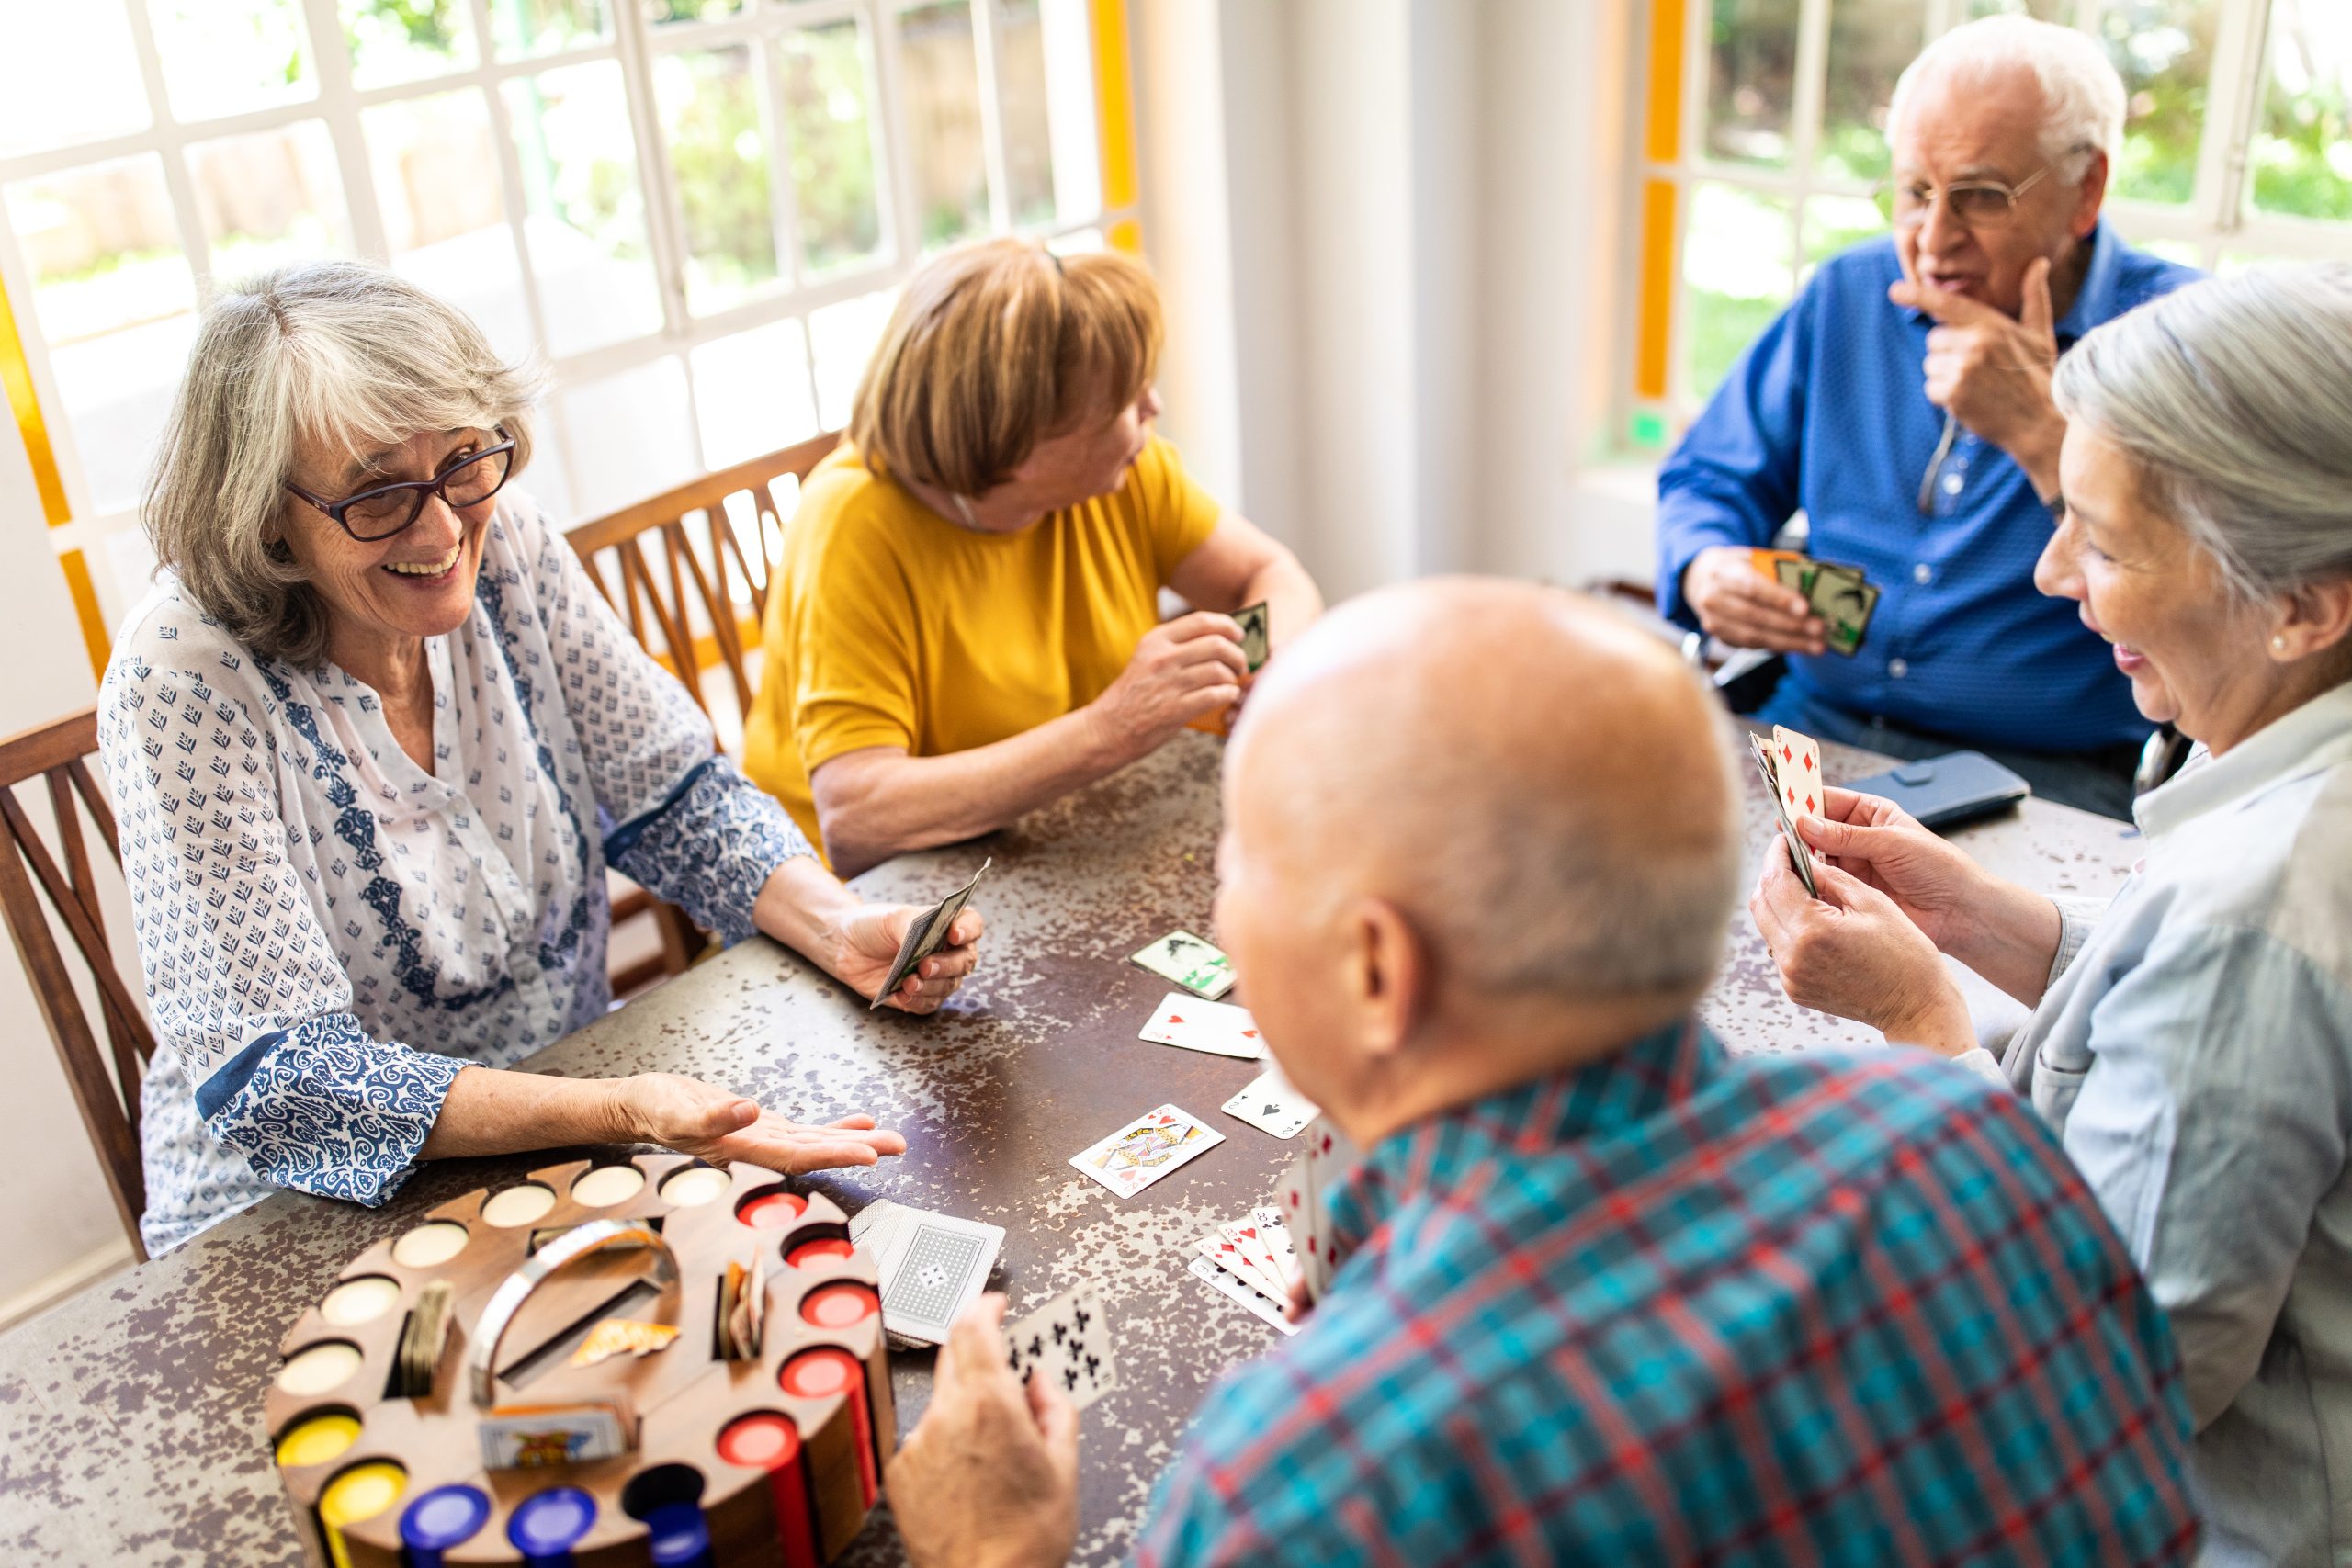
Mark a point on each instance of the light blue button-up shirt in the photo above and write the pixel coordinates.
(2194, 1050)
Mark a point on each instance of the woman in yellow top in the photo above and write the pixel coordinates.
(965, 626)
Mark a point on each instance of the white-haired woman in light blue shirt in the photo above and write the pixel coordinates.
(2192, 1043)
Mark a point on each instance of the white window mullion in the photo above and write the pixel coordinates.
(172, 150)
(336, 103)
(901, 224)
(991, 84)
(2233, 105)
(664, 230)
(776, 125)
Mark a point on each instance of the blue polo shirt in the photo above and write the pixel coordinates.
(1825, 413)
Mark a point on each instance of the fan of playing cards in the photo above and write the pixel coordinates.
(1791, 766)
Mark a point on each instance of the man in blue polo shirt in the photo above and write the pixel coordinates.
(1999, 260)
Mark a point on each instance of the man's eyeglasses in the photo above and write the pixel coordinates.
(379, 514)
(1975, 204)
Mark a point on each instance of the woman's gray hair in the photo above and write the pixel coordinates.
(2083, 99)
(2233, 396)
(340, 352)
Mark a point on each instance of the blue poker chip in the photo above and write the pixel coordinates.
(679, 1536)
(444, 1517)
(547, 1524)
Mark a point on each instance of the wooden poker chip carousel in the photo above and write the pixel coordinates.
(726, 1454)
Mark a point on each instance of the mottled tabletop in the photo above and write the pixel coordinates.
(130, 1422)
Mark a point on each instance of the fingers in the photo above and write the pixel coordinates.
(2035, 316)
(856, 1124)
(1745, 610)
(973, 1354)
(1057, 1421)
(1201, 624)
(967, 930)
(1952, 309)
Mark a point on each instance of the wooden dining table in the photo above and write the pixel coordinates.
(130, 1416)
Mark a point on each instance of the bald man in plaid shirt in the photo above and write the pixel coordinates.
(1610, 1296)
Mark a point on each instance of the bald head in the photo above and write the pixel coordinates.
(1540, 787)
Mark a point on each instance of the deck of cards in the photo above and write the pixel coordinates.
(931, 1264)
(1067, 1342)
(1193, 964)
(1196, 1024)
(1250, 1263)
(1840, 596)
(743, 1309)
(1791, 769)
(424, 1337)
(530, 1436)
(924, 935)
(1146, 1149)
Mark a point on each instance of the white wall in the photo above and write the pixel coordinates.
(1390, 232)
(61, 1230)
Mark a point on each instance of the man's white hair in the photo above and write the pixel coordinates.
(2083, 99)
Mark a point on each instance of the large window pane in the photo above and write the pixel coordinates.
(1046, 100)
(102, 248)
(2301, 154)
(268, 198)
(661, 12)
(1752, 80)
(43, 107)
(833, 145)
(1835, 223)
(113, 296)
(630, 436)
(940, 61)
(393, 41)
(1736, 274)
(751, 393)
(224, 57)
(2046, 10)
(435, 165)
(585, 215)
(708, 102)
(2164, 51)
(843, 337)
(1870, 43)
(543, 27)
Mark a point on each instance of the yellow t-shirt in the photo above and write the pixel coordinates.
(890, 626)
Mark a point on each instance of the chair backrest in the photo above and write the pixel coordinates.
(108, 1100)
(678, 558)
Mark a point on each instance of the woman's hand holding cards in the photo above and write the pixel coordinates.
(1852, 952)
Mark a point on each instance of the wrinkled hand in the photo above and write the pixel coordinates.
(1883, 847)
(719, 1125)
(991, 1476)
(1183, 669)
(1853, 954)
(1745, 608)
(868, 942)
(1994, 373)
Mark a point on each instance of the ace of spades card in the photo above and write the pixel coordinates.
(1067, 1342)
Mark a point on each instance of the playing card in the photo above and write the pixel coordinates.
(1796, 573)
(924, 934)
(1243, 1235)
(1241, 1295)
(1328, 1154)
(1256, 622)
(622, 1337)
(1798, 853)
(1277, 1231)
(1193, 964)
(524, 1437)
(934, 1266)
(1271, 1104)
(1146, 1149)
(1796, 766)
(1067, 1340)
(1198, 1024)
(1228, 1255)
(1844, 599)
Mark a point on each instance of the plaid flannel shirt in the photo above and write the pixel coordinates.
(1675, 1308)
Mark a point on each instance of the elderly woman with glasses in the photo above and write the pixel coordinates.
(2191, 1045)
(374, 740)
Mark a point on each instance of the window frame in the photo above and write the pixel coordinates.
(1656, 399)
(80, 530)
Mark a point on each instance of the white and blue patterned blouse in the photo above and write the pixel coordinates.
(330, 933)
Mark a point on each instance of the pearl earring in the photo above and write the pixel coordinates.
(2278, 643)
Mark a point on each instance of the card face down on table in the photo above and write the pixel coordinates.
(931, 1264)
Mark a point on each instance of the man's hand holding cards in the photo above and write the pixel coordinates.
(925, 934)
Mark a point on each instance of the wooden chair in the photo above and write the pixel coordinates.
(679, 561)
(108, 1100)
